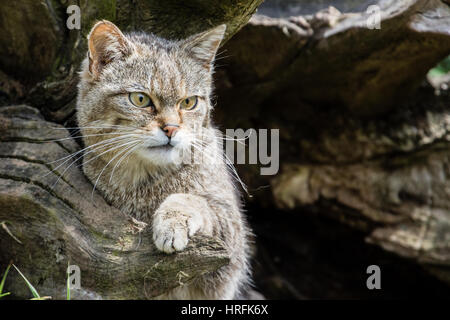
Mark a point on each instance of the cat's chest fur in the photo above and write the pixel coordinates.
(138, 190)
(141, 199)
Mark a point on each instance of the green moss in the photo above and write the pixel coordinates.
(100, 237)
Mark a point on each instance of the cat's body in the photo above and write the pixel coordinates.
(137, 115)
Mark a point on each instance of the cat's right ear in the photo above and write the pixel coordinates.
(203, 46)
(106, 43)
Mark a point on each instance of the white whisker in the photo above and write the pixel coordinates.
(88, 135)
(118, 154)
(122, 158)
(100, 144)
(65, 170)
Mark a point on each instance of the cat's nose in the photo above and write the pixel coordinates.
(170, 129)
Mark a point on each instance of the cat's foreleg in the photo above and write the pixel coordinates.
(178, 218)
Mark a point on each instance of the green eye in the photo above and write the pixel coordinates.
(140, 99)
(189, 103)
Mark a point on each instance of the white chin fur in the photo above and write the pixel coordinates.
(161, 154)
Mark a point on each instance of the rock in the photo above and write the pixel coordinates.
(360, 139)
(342, 61)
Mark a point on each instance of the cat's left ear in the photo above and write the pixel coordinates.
(203, 46)
(106, 43)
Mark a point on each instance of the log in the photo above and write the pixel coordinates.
(49, 216)
(51, 219)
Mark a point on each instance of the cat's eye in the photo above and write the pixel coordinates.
(140, 99)
(189, 103)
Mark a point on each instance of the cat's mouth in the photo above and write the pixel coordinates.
(164, 147)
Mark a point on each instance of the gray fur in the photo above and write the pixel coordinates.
(141, 178)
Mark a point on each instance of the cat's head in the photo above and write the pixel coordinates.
(144, 95)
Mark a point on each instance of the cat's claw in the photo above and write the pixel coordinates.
(171, 232)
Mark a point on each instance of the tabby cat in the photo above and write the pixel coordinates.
(143, 105)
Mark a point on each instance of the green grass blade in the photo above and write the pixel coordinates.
(42, 298)
(4, 294)
(5, 227)
(68, 285)
(30, 286)
(4, 278)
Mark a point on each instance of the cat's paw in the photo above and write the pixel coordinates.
(172, 230)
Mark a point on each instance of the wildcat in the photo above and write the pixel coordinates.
(141, 100)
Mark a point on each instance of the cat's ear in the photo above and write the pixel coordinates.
(203, 46)
(106, 43)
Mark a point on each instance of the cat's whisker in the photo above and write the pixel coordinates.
(116, 126)
(233, 139)
(228, 138)
(112, 126)
(222, 155)
(88, 135)
(91, 146)
(219, 54)
(225, 137)
(100, 128)
(202, 150)
(235, 175)
(65, 170)
(228, 162)
(221, 58)
(71, 156)
(122, 158)
(111, 149)
(118, 154)
(90, 127)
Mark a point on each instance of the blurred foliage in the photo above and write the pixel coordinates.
(442, 68)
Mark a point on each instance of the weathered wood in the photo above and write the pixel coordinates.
(61, 222)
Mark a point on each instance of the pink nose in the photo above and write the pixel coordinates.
(170, 129)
